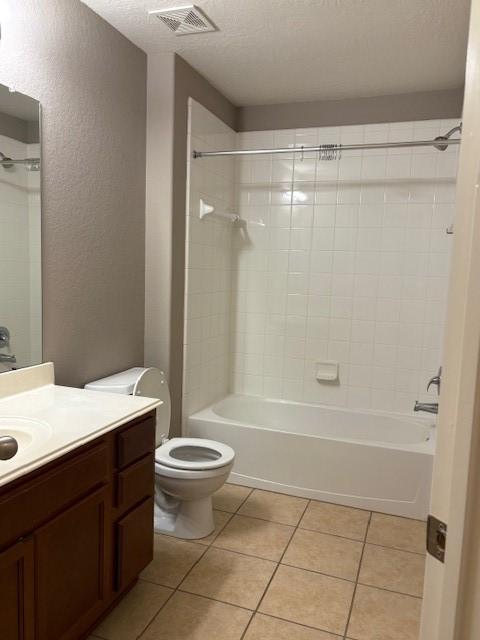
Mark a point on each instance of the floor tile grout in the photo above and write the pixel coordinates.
(259, 604)
(358, 575)
(328, 533)
(298, 624)
(201, 595)
(284, 564)
(175, 589)
(249, 517)
(398, 593)
(206, 547)
(289, 495)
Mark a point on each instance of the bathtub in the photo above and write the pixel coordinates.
(367, 459)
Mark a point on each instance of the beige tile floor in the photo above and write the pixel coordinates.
(279, 567)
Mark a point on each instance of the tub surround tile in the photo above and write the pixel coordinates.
(172, 559)
(230, 577)
(220, 519)
(396, 532)
(129, 619)
(392, 569)
(371, 221)
(264, 627)
(382, 615)
(309, 598)
(230, 497)
(190, 617)
(336, 520)
(255, 537)
(276, 507)
(324, 553)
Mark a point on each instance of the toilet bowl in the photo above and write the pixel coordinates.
(187, 470)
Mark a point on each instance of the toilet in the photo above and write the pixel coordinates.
(187, 470)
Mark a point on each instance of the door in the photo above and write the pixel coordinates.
(70, 569)
(16, 592)
(443, 612)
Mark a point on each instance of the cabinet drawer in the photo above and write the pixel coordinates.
(134, 543)
(135, 483)
(136, 441)
(38, 500)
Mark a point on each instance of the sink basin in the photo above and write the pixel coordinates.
(27, 432)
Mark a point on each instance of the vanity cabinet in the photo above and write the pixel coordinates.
(75, 534)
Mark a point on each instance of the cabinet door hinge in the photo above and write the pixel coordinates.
(436, 538)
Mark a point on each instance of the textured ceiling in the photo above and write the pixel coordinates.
(273, 51)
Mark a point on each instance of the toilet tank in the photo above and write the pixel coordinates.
(148, 382)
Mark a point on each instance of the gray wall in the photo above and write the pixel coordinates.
(188, 84)
(91, 82)
(171, 81)
(426, 105)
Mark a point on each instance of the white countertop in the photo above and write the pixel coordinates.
(70, 417)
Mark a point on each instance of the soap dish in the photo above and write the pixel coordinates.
(326, 370)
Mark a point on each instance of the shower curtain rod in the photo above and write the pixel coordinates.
(322, 148)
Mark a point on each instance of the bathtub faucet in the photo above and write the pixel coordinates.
(429, 407)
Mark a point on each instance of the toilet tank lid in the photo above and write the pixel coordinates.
(122, 382)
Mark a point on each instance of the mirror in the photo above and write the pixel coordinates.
(20, 231)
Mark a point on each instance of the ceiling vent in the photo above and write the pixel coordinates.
(185, 20)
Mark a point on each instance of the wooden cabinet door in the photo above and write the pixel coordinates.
(70, 569)
(134, 543)
(16, 592)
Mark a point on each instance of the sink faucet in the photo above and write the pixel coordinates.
(430, 407)
(5, 357)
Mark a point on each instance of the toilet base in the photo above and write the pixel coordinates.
(189, 519)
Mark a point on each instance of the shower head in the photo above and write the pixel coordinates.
(30, 164)
(443, 147)
(4, 160)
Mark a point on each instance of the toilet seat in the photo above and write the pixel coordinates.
(194, 454)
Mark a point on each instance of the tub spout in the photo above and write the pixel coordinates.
(429, 407)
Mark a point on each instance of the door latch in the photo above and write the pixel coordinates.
(436, 538)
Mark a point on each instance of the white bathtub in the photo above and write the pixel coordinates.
(365, 459)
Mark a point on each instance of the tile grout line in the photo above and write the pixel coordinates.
(358, 575)
(326, 533)
(274, 572)
(284, 564)
(206, 547)
(174, 589)
(155, 615)
(317, 500)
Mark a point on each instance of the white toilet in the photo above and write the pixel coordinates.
(187, 470)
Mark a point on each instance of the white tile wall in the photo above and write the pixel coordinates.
(20, 282)
(209, 263)
(345, 260)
